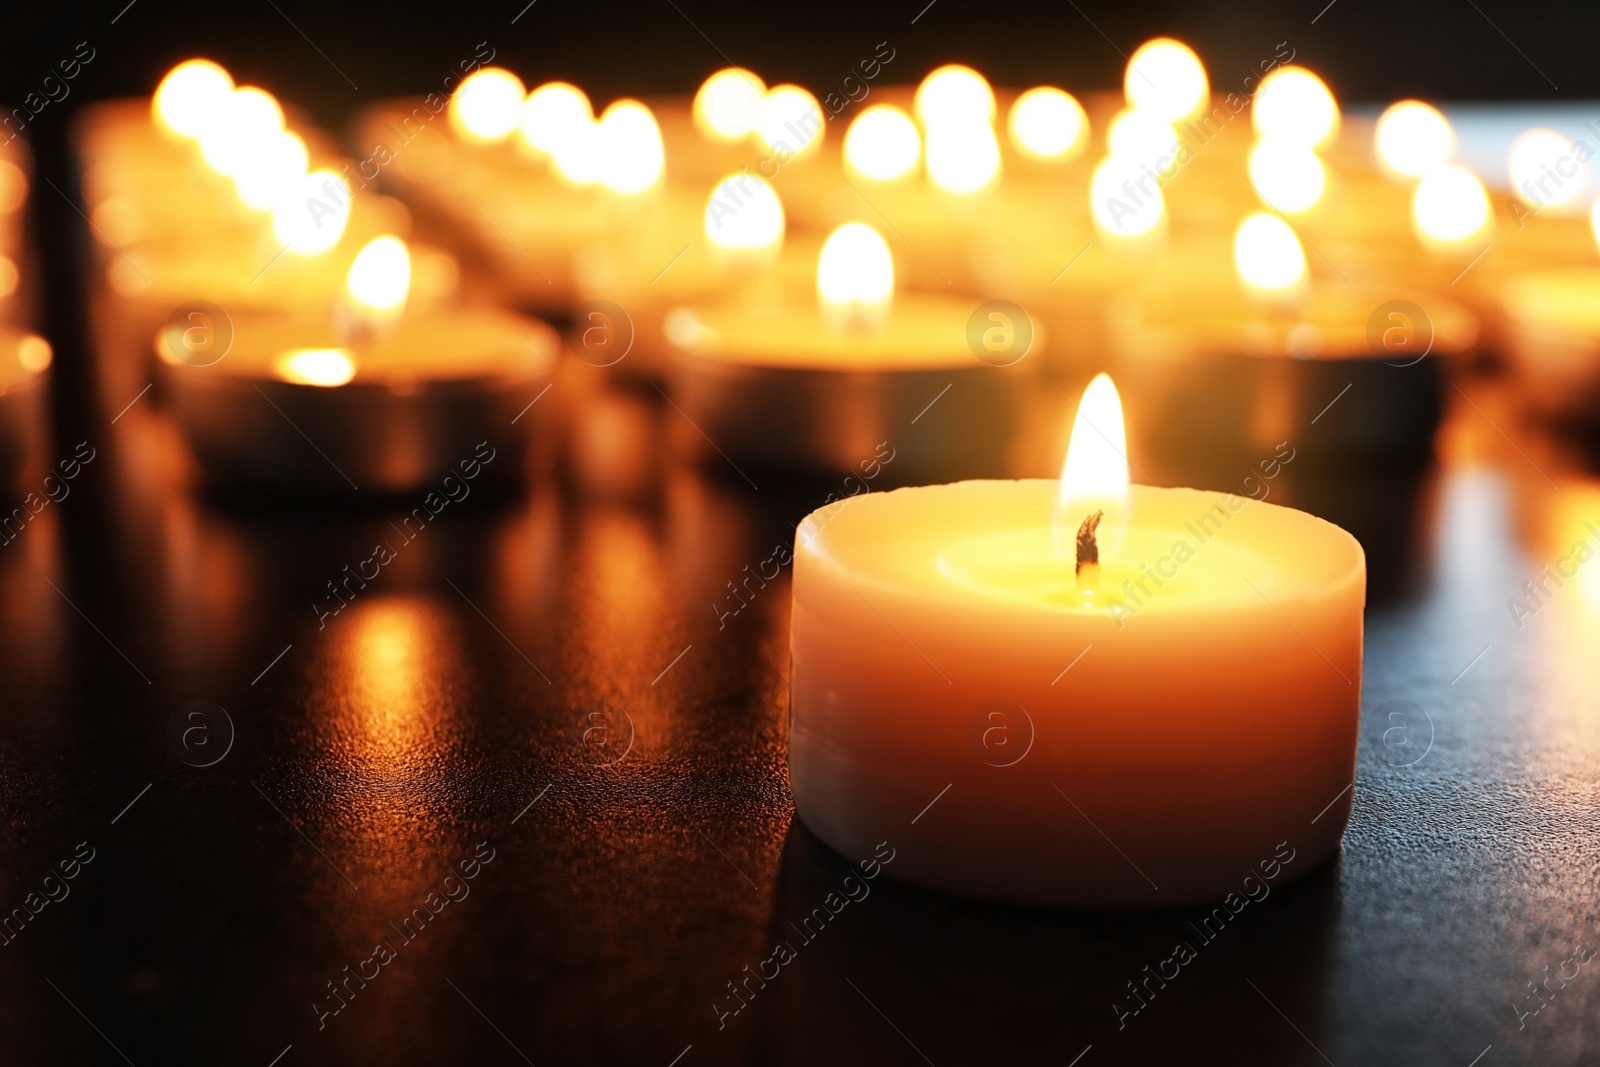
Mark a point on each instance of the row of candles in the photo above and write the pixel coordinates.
(921, 285)
(563, 207)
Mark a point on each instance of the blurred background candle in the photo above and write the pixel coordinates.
(1282, 358)
(820, 385)
(379, 398)
(1553, 340)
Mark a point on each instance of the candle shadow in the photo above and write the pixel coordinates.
(901, 965)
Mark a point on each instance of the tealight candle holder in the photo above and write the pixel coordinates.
(1355, 374)
(387, 400)
(1552, 322)
(786, 387)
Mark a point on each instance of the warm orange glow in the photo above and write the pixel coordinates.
(1125, 199)
(326, 367)
(229, 141)
(1046, 123)
(855, 276)
(962, 158)
(487, 105)
(272, 165)
(1139, 136)
(631, 155)
(311, 218)
(789, 121)
(34, 353)
(190, 97)
(1449, 207)
(882, 144)
(1268, 256)
(954, 95)
(1289, 178)
(380, 277)
(1166, 77)
(13, 187)
(1412, 139)
(726, 105)
(1547, 169)
(1295, 106)
(744, 214)
(554, 116)
(1094, 476)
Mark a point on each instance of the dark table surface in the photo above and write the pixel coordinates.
(547, 674)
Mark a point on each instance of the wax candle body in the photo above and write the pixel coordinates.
(1147, 747)
(1553, 339)
(778, 387)
(393, 411)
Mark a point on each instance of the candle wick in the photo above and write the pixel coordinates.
(1088, 547)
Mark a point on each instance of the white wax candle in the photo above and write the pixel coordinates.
(1144, 739)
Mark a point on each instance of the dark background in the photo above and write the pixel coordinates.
(222, 899)
(1367, 50)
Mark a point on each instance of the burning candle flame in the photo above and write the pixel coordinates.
(312, 216)
(1547, 170)
(882, 144)
(1140, 136)
(1094, 476)
(1046, 123)
(274, 163)
(190, 96)
(1288, 177)
(1295, 106)
(726, 105)
(248, 116)
(962, 159)
(1125, 199)
(327, 367)
(488, 104)
(789, 122)
(1412, 139)
(744, 214)
(1166, 77)
(1449, 207)
(553, 117)
(855, 276)
(1268, 256)
(631, 155)
(380, 276)
(954, 95)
